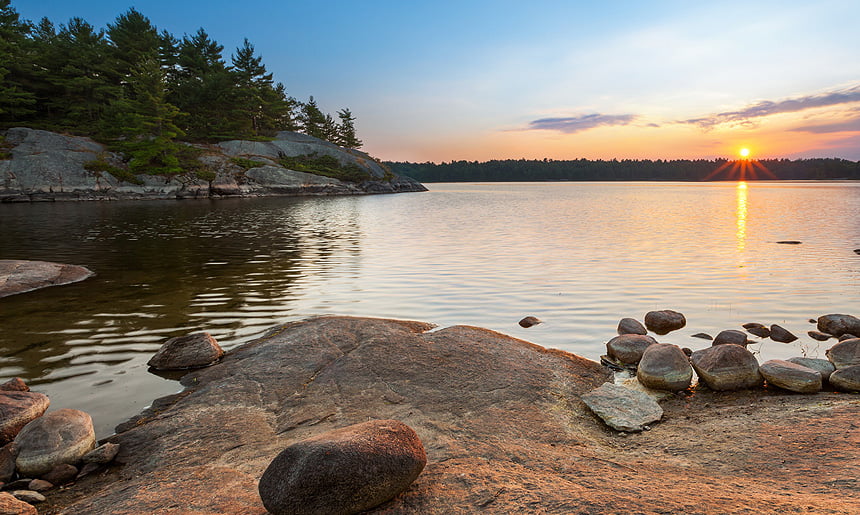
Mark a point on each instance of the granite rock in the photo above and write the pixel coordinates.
(727, 367)
(17, 409)
(9, 505)
(823, 366)
(623, 409)
(791, 376)
(781, 334)
(665, 367)
(189, 351)
(846, 379)
(61, 436)
(837, 324)
(19, 276)
(845, 353)
(631, 326)
(627, 348)
(732, 336)
(664, 321)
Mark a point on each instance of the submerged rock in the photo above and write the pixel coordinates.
(781, 334)
(17, 409)
(623, 409)
(61, 436)
(823, 366)
(19, 276)
(727, 367)
(818, 335)
(791, 376)
(345, 471)
(627, 349)
(732, 336)
(664, 321)
(846, 379)
(756, 329)
(837, 324)
(845, 353)
(665, 367)
(529, 321)
(631, 326)
(190, 351)
(704, 336)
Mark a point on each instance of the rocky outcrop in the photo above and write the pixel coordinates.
(19, 276)
(51, 166)
(189, 351)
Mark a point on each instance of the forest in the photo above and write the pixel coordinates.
(628, 170)
(144, 91)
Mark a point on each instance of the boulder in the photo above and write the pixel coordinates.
(17, 409)
(845, 353)
(623, 409)
(345, 471)
(8, 453)
(183, 352)
(19, 276)
(818, 335)
(824, 367)
(631, 326)
(61, 474)
(665, 367)
(529, 321)
(102, 454)
(791, 376)
(9, 505)
(781, 334)
(61, 436)
(756, 329)
(627, 349)
(727, 367)
(837, 325)
(16, 384)
(664, 321)
(732, 336)
(846, 379)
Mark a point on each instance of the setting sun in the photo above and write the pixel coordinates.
(744, 152)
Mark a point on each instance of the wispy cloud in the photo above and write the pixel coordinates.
(847, 126)
(573, 124)
(750, 113)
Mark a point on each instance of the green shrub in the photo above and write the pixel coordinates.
(327, 166)
(5, 147)
(245, 164)
(100, 165)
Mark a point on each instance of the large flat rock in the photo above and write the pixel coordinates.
(19, 276)
(501, 420)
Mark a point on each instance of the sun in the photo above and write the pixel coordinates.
(744, 152)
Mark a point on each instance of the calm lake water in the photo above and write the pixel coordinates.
(577, 255)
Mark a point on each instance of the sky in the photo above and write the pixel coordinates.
(477, 80)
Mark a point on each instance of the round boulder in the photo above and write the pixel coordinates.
(664, 321)
(628, 348)
(191, 351)
(344, 471)
(529, 321)
(665, 367)
(824, 367)
(631, 326)
(791, 376)
(61, 436)
(727, 367)
(837, 325)
(846, 379)
(781, 334)
(17, 409)
(845, 353)
(732, 336)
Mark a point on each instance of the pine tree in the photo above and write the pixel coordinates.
(312, 119)
(16, 101)
(134, 39)
(346, 136)
(253, 82)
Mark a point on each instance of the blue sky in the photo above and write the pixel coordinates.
(480, 80)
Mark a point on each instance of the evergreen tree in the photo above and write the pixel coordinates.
(253, 82)
(312, 119)
(168, 56)
(15, 101)
(134, 39)
(329, 129)
(346, 136)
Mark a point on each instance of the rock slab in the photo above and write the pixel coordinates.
(62, 436)
(623, 409)
(791, 376)
(345, 471)
(727, 367)
(21, 276)
(17, 409)
(184, 352)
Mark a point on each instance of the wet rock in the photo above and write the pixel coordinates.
(732, 336)
(8, 453)
(845, 353)
(847, 336)
(19, 276)
(791, 376)
(687, 351)
(183, 352)
(9, 505)
(61, 436)
(857, 251)
(627, 349)
(344, 471)
(846, 379)
(756, 329)
(664, 321)
(623, 409)
(818, 335)
(789, 242)
(102, 454)
(704, 336)
(17, 409)
(61, 474)
(631, 326)
(28, 496)
(824, 367)
(837, 324)
(529, 321)
(40, 485)
(16, 384)
(781, 334)
(727, 367)
(664, 367)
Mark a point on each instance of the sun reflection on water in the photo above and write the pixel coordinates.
(741, 213)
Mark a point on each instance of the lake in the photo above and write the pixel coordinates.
(579, 256)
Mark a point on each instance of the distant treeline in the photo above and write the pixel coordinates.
(628, 170)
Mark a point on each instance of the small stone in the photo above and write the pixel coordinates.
(623, 409)
(665, 367)
(780, 334)
(348, 470)
(756, 329)
(845, 353)
(857, 251)
(791, 376)
(183, 352)
(704, 336)
(846, 336)
(627, 349)
(8, 453)
(16, 384)
(9, 505)
(664, 321)
(17, 409)
(61, 436)
(631, 326)
(824, 367)
(846, 379)
(818, 335)
(102, 454)
(529, 321)
(837, 324)
(28, 496)
(687, 351)
(61, 474)
(18, 484)
(731, 336)
(89, 468)
(727, 367)
(40, 485)
(812, 321)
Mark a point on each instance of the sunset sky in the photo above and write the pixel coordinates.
(449, 80)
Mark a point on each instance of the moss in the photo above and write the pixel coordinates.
(100, 165)
(245, 164)
(327, 166)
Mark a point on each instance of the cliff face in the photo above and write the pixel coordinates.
(50, 166)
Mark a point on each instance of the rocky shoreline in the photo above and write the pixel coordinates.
(503, 423)
(47, 166)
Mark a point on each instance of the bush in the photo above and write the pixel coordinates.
(245, 164)
(326, 166)
(100, 165)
